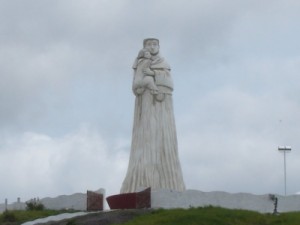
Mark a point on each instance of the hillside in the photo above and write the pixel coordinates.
(192, 216)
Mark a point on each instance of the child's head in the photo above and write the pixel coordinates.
(144, 53)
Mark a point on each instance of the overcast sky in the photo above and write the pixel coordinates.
(67, 107)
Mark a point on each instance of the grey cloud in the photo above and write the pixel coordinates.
(235, 66)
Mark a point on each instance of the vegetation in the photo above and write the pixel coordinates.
(192, 216)
(34, 204)
(14, 217)
(214, 216)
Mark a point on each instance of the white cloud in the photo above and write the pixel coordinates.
(235, 66)
(229, 141)
(36, 164)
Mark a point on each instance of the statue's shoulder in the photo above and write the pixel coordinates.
(160, 63)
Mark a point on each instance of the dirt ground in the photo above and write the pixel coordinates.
(103, 218)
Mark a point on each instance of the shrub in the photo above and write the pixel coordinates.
(8, 216)
(34, 204)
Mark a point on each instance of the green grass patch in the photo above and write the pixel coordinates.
(20, 216)
(214, 216)
(193, 216)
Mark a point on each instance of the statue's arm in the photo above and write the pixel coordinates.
(148, 72)
(162, 72)
(163, 78)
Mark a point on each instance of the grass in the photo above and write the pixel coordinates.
(214, 216)
(15, 217)
(193, 216)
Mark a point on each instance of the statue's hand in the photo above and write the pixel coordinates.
(139, 91)
(149, 72)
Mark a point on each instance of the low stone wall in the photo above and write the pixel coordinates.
(193, 198)
(13, 206)
(77, 201)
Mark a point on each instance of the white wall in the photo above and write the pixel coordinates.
(193, 198)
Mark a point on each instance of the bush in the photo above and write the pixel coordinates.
(34, 204)
(8, 216)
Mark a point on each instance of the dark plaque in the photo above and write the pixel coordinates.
(94, 201)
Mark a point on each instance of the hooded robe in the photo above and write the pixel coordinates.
(154, 160)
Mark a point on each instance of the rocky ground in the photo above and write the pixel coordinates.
(103, 218)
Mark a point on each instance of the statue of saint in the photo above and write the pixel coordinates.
(154, 160)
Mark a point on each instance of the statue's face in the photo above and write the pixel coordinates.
(152, 46)
(147, 55)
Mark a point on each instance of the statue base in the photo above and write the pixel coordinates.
(135, 200)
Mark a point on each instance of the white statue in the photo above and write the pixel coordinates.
(141, 80)
(154, 160)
